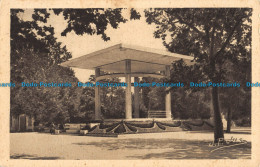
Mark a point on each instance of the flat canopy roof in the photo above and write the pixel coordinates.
(112, 59)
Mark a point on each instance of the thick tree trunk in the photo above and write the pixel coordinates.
(218, 130)
(229, 119)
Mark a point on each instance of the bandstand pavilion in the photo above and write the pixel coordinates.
(128, 61)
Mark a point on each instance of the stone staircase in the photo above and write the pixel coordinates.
(156, 114)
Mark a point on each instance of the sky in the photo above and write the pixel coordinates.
(134, 32)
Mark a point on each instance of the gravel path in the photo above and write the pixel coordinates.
(171, 145)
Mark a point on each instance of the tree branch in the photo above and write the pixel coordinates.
(228, 38)
(189, 24)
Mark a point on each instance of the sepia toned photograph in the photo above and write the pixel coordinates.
(130, 83)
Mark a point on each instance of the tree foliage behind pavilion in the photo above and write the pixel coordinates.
(35, 55)
(219, 39)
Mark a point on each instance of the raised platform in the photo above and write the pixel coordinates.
(113, 127)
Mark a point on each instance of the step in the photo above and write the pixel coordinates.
(157, 117)
(156, 114)
(72, 131)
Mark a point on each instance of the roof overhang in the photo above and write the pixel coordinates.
(112, 59)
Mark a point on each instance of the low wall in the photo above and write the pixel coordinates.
(150, 126)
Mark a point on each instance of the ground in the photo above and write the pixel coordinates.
(168, 145)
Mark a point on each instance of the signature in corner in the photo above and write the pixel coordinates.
(227, 143)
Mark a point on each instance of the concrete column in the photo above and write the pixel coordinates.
(97, 97)
(128, 96)
(136, 99)
(168, 105)
(168, 96)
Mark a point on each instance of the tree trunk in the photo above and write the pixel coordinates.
(218, 128)
(229, 119)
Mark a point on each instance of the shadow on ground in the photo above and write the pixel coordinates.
(174, 149)
(31, 157)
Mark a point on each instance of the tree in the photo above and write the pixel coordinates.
(236, 102)
(93, 20)
(29, 34)
(43, 103)
(35, 55)
(188, 102)
(212, 36)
